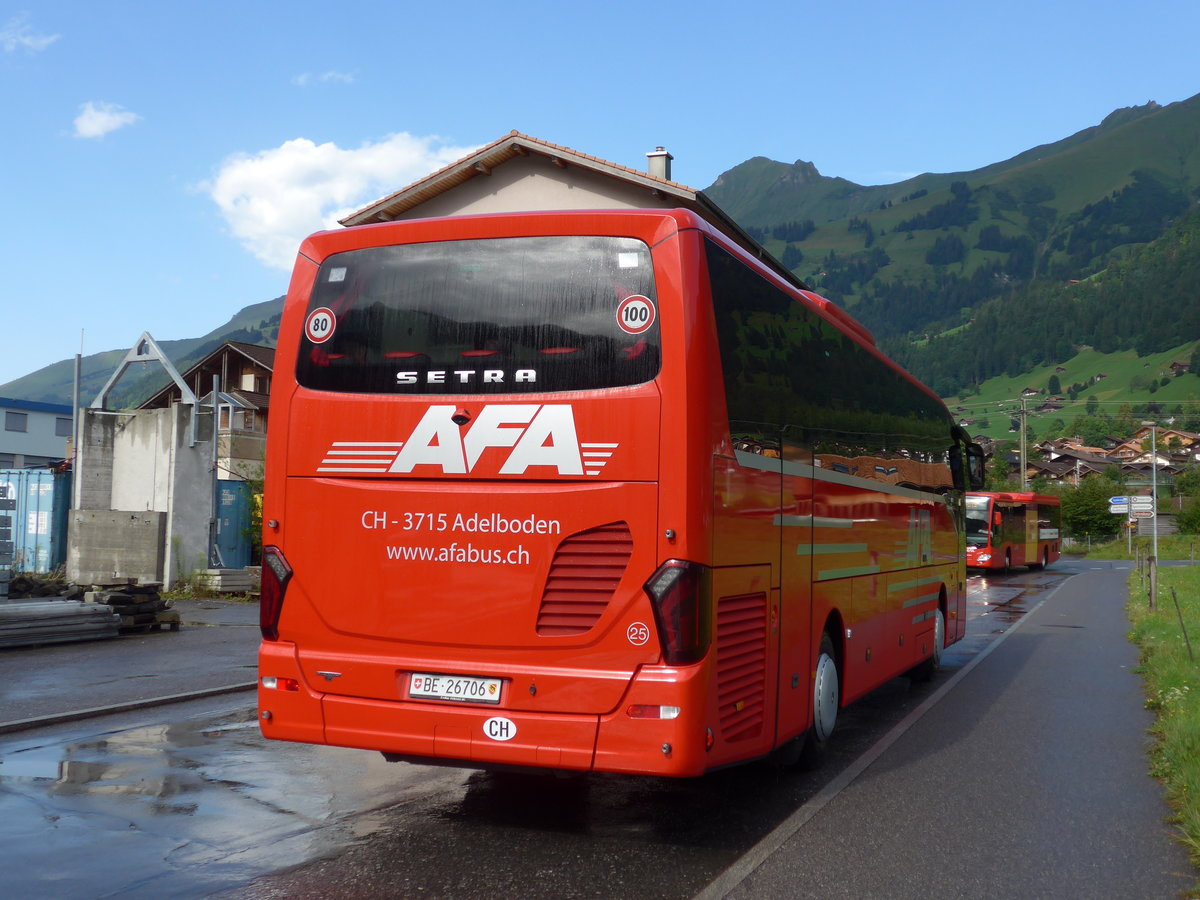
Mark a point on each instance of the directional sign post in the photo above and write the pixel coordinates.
(1141, 503)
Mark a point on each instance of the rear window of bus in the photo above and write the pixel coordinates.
(502, 315)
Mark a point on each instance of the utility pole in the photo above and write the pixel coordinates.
(1023, 448)
(1154, 483)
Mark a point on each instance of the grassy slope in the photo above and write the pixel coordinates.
(998, 397)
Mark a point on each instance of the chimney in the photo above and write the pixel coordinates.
(659, 163)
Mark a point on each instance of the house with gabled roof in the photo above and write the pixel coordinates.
(520, 173)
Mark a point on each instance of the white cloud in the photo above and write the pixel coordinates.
(306, 78)
(273, 199)
(98, 119)
(17, 35)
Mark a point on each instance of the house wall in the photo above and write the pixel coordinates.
(40, 440)
(535, 183)
(243, 455)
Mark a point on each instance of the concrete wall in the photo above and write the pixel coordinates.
(93, 464)
(135, 464)
(106, 545)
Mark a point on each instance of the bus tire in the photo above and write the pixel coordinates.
(826, 696)
(924, 671)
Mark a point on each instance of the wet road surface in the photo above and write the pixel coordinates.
(190, 801)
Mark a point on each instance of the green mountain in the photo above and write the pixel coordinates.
(917, 257)
(255, 324)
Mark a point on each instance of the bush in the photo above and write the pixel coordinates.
(1188, 519)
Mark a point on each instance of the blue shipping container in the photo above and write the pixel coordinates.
(36, 530)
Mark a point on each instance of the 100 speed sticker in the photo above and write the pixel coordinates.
(635, 314)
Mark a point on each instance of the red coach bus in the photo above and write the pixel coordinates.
(591, 491)
(1012, 529)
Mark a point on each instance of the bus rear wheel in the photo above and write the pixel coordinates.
(924, 671)
(826, 696)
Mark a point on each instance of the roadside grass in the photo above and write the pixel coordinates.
(1172, 683)
(1170, 546)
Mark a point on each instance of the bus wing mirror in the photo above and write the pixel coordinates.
(957, 478)
(975, 462)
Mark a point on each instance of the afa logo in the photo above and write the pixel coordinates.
(537, 436)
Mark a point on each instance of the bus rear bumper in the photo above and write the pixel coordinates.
(639, 737)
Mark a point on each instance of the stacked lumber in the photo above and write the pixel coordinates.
(140, 607)
(45, 611)
(25, 622)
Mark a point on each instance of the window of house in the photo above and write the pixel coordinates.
(16, 421)
(7, 460)
(62, 427)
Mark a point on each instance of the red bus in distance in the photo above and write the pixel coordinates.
(591, 491)
(1008, 529)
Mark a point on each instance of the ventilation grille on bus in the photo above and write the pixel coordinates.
(583, 575)
(741, 664)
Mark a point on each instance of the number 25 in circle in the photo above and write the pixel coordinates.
(635, 314)
(320, 324)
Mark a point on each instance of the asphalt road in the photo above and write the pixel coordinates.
(214, 650)
(1019, 771)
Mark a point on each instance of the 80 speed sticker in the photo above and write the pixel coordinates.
(635, 314)
(320, 325)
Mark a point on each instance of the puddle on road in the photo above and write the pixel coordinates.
(1004, 600)
(184, 808)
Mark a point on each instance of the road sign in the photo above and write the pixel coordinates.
(1118, 501)
(1143, 514)
(1142, 503)
(1119, 509)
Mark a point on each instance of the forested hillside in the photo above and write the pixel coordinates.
(1148, 301)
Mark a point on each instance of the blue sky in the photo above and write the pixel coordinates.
(162, 160)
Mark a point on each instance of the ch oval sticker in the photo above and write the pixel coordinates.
(499, 728)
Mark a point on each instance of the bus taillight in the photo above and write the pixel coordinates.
(275, 576)
(680, 593)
